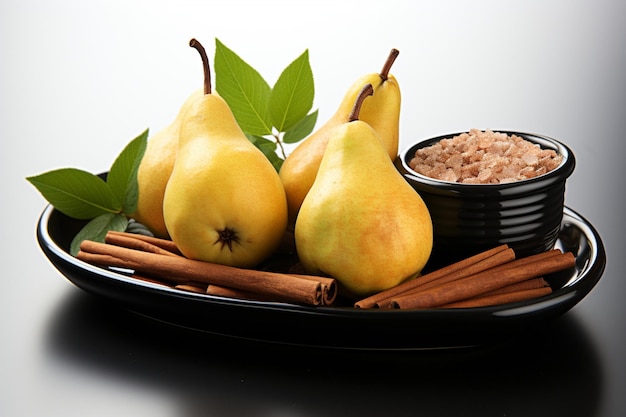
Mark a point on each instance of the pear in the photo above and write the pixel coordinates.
(381, 111)
(224, 202)
(155, 169)
(361, 222)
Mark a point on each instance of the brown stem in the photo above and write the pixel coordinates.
(205, 63)
(384, 73)
(279, 142)
(367, 90)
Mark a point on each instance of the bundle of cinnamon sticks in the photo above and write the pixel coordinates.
(492, 277)
(488, 278)
(159, 261)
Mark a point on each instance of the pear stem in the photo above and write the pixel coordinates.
(205, 64)
(366, 91)
(384, 73)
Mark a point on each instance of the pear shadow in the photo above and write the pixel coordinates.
(552, 369)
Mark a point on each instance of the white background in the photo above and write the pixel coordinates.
(78, 80)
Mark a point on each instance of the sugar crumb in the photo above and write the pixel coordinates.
(484, 157)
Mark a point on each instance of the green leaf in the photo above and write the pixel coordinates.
(244, 89)
(77, 193)
(122, 177)
(292, 96)
(138, 228)
(268, 148)
(97, 229)
(301, 129)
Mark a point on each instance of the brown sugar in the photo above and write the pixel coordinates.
(484, 157)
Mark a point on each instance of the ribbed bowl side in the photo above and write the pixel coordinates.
(528, 223)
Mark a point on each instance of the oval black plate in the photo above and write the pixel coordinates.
(334, 327)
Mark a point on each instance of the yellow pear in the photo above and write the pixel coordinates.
(381, 111)
(155, 169)
(224, 202)
(361, 222)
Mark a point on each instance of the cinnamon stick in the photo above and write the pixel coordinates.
(285, 287)
(529, 284)
(485, 281)
(329, 290)
(221, 291)
(191, 288)
(498, 299)
(132, 241)
(527, 260)
(165, 244)
(329, 287)
(467, 264)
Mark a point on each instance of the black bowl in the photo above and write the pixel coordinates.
(469, 218)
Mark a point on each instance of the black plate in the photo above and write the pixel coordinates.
(336, 327)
